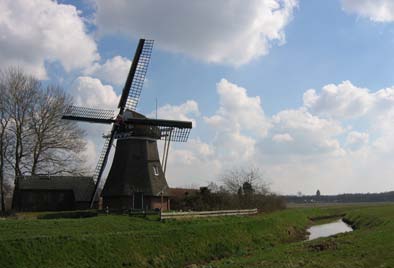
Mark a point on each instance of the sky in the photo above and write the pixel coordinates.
(303, 90)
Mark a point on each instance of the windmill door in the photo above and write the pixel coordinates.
(138, 200)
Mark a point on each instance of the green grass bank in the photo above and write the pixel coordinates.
(266, 240)
(370, 245)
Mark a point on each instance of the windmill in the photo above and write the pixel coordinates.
(136, 179)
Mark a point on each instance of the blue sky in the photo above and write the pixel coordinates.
(302, 90)
(323, 45)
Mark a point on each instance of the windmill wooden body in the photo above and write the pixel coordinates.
(136, 179)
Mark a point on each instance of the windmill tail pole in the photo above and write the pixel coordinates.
(94, 195)
(166, 154)
(164, 150)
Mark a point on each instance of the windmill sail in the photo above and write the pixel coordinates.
(90, 115)
(175, 134)
(159, 122)
(98, 173)
(173, 130)
(136, 77)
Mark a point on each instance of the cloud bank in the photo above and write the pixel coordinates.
(37, 32)
(320, 145)
(227, 32)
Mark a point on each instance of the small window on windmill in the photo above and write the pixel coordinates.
(155, 170)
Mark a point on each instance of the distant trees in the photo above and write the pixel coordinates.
(240, 189)
(343, 198)
(244, 181)
(33, 138)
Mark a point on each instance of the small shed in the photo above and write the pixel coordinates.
(52, 193)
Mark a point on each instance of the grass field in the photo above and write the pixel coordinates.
(266, 240)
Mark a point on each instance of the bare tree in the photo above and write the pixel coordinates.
(33, 138)
(242, 180)
(21, 91)
(56, 143)
(4, 138)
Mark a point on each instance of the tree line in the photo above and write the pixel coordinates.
(33, 138)
(342, 198)
(240, 188)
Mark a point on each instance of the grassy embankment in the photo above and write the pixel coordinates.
(259, 241)
(370, 245)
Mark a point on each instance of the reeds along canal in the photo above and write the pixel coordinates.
(328, 229)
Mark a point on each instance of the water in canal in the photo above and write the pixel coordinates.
(328, 229)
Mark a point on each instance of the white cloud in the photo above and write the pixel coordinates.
(38, 31)
(113, 71)
(238, 123)
(192, 151)
(191, 163)
(234, 148)
(238, 111)
(328, 152)
(245, 137)
(311, 134)
(185, 112)
(286, 137)
(203, 149)
(304, 121)
(307, 174)
(375, 10)
(384, 100)
(238, 114)
(339, 101)
(186, 166)
(90, 154)
(355, 137)
(347, 101)
(90, 92)
(230, 32)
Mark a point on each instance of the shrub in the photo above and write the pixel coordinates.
(206, 200)
(68, 215)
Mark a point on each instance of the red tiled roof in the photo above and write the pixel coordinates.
(182, 192)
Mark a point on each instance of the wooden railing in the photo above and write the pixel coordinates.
(200, 214)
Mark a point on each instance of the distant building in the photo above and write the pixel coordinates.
(178, 196)
(318, 193)
(52, 193)
(180, 193)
